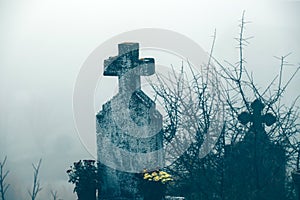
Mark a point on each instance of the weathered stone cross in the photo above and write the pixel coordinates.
(129, 136)
(257, 118)
(128, 67)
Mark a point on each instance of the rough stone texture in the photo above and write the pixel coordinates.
(129, 136)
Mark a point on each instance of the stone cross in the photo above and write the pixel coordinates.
(128, 67)
(255, 160)
(129, 136)
(256, 117)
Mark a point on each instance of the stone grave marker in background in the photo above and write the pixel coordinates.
(256, 165)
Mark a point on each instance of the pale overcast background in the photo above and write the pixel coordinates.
(43, 44)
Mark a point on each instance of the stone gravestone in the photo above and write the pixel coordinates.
(129, 136)
(255, 166)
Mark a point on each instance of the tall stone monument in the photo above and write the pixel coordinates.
(129, 136)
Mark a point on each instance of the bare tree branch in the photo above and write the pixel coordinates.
(3, 174)
(36, 188)
(55, 195)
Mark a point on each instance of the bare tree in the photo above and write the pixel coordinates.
(192, 100)
(3, 174)
(36, 188)
(241, 89)
(55, 195)
(190, 112)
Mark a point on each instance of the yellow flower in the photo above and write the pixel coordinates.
(162, 173)
(157, 176)
(154, 174)
(146, 176)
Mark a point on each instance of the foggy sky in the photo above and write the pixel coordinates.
(43, 44)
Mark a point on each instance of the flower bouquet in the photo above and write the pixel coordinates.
(153, 186)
